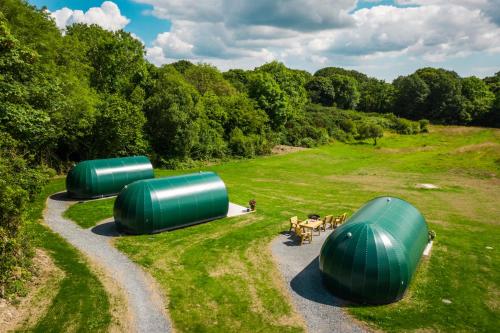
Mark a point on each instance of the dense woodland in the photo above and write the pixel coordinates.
(89, 93)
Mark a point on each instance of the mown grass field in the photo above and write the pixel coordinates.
(220, 276)
(81, 303)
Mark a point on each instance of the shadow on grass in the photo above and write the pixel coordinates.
(308, 284)
(62, 196)
(107, 229)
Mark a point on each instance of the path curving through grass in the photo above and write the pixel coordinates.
(144, 300)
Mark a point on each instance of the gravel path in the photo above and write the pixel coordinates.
(299, 265)
(144, 300)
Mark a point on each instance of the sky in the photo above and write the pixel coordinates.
(382, 38)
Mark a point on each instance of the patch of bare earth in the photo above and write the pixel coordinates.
(283, 149)
(457, 130)
(42, 290)
(406, 149)
(476, 147)
(493, 299)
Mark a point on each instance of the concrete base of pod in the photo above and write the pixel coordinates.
(237, 210)
(427, 250)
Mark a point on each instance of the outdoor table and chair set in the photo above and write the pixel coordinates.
(305, 230)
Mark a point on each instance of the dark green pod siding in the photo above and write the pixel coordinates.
(372, 258)
(154, 205)
(99, 178)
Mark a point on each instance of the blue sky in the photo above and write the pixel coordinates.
(145, 26)
(383, 38)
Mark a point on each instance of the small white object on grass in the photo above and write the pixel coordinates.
(489, 248)
(427, 186)
(446, 301)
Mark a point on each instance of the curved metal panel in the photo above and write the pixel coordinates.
(373, 256)
(99, 178)
(154, 205)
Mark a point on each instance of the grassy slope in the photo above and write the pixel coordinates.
(81, 303)
(219, 275)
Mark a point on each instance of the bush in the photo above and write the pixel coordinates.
(424, 125)
(241, 145)
(367, 130)
(19, 183)
(405, 126)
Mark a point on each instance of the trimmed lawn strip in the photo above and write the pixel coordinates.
(81, 304)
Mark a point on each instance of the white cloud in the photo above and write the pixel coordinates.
(107, 16)
(291, 14)
(314, 33)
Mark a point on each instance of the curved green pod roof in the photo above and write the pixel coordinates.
(372, 257)
(154, 205)
(99, 178)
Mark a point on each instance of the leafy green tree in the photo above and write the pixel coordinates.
(242, 114)
(444, 101)
(26, 95)
(492, 118)
(292, 84)
(329, 71)
(269, 97)
(478, 97)
(207, 78)
(346, 91)
(368, 130)
(376, 96)
(238, 78)
(116, 58)
(321, 90)
(182, 65)
(411, 94)
(35, 30)
(210, 143)
(118, 130)
(170, 111)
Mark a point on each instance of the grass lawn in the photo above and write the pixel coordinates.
(220, 276)
(88, 213)
(81, 303)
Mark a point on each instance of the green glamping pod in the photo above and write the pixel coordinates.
(371, 258)
(100, 178)
(154, 205)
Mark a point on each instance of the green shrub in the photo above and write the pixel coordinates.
(404, 126)
(424, 125)
(368, 130)
(19, 183)
(241, 145)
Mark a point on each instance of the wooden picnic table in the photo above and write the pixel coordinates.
(311, 224)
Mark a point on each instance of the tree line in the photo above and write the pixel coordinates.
(90, 93)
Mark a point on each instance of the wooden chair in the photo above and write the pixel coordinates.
(327, 220)
(339, 220)
(294, 222)
(303, 234)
